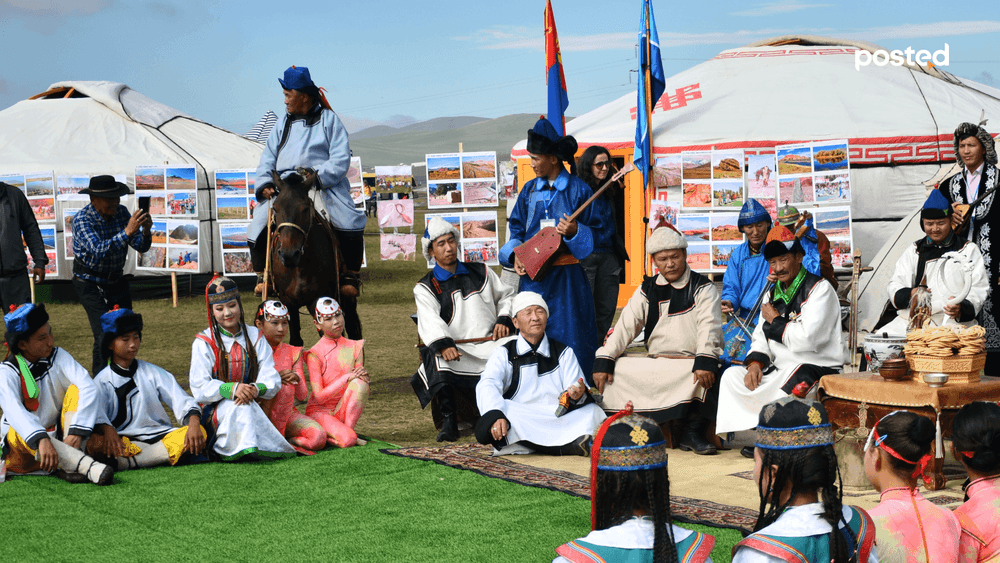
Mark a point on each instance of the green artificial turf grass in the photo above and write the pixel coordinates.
(354, 505)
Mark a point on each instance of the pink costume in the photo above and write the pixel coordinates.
(301, 431)
(908, 526)
(337, 401)
(980, 520)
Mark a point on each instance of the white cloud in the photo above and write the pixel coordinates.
(774, 8)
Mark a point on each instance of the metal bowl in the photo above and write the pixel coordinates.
(894, 370)
(935, 379)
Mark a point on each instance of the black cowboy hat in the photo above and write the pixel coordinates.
(105, 186)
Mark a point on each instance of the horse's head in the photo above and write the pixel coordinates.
(293, 212)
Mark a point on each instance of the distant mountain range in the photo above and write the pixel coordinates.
(437, 124)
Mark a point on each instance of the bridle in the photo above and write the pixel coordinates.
(305, 232)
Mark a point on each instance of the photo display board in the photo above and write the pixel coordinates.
(234, 205)
(478, 235)
(356, 181)
(466, 179)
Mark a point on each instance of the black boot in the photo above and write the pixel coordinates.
(693, 438)
(449, 423)
(580, 446)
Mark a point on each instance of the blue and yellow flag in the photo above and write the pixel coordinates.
(651, 85)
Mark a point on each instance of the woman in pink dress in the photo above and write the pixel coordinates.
(908, 527)
(975, 436)
(302, 432)
(338, 377)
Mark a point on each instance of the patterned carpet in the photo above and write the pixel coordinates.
(476, 457)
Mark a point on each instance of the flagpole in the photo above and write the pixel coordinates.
(647, 188)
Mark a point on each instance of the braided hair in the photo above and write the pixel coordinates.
(217, 291)
(620, 493)
(975, 436)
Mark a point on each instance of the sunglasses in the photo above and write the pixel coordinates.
(604, 164)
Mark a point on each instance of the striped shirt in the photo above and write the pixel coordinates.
(101, 245)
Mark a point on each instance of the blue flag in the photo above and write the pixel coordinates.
(651, 69)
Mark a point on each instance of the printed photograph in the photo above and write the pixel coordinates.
(68, 215)
(831, 188)
(486, 251)
(388, 177)
(234, 236)
(771, 205)
(455, 220)
(237, 262)
(727, 194)
(841, 253)
(156, 257)
(697, 165)
(796, 190)
(69, 186)
(699, 257)
(833, 222)
(16, 180)
(794, 160)
(48, 236)
(182, 258)
(232, 208)
(354, 171)
(159, 232)
(68, 244)
(445, 167)
(157, 205)
(398, 247)
(695, 228)
(182, 232)
(667, 172)
(479, 225)
(229, 184)
(830, 157)
(395, 213)
(444, 195)
(149, 179)
(39, 185)
(663, 212)
(182, 203)
(762, 177)
(720, 256)
(479, 166)
(481, 193)
(724, 227)
(181, 178)
(358, 194)
(251, 180)
(727, 165)
(52, 268)
(44, 208)
(697, 194)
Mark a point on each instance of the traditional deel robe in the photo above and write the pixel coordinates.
(632, 542)
(235, 430)
(682, 319)
(900, 532)
(132, 400)
(802, 344)
(450, 307)
(916, 262)
(801, 535)
(742, 285)
(984, 230)
(26, 418)
(341, 401)
(980, 521)
(565, 288)
(281, 408)
(524, 383)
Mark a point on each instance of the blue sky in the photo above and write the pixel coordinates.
(395, 62)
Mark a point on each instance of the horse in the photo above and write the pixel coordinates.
(305, 257)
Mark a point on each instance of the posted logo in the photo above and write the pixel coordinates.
(896, 57)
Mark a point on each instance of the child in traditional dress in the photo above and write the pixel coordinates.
(338, 377)
(304, 433)
(231, 366)
(630, 500)
(975, 439)
(136, 430)
(801, 517)
(908, 527)
(42, 385)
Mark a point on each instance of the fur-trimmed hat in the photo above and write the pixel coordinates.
(791, 423)
(752, 212)
(781, 241)
(967, 130)
(543, 139)
(526, 299)
(22, 322)
(436, 228)
(665, 237)
(115, 323)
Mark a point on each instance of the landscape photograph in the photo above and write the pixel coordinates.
(721, 254)
(52, 268)
(159, 232)
(794, 160)
(68, 214)
(833, 222)
(832, 188)
(15, 180)
(71, 185)
(728, 194)
(697, 166)
(228, 184)
(444, 195)
(761, 176)
(455, 220)
(724, 227)
(830, 157)
(479, 166)
(481, 193)
(727, 165)
(39, 185)
(155, 257)
(796, 190)
(182, 258)
(157, 205)
(667, 172)
(237, 262)
(695, 228)
(697, 194)
(182, 232)
(149, 179)
(479, 225)
(233, 236)
(68, 244)
(486, 251)
(232, 208)
(443, 168)
(44, 208)
(699, 257)
(393, 176)
(181, 178)
(251, 180)
(48, 237)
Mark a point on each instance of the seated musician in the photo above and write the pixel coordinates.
(746, 276)
(917, 261)
(455, 301)
(678, 311)
(797, 339)
(532, 393)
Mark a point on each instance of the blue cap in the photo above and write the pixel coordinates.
(120, 321)
(17, 320)
(935, 207)
(752, 212)
(296, 78)
(22, 322)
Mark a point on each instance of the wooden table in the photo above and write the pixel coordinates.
(843, 394)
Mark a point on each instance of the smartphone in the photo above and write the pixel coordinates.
(144, 203)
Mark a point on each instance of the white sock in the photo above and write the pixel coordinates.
(72, 460)
(150, 456)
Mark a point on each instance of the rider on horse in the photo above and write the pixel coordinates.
(309, 136)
